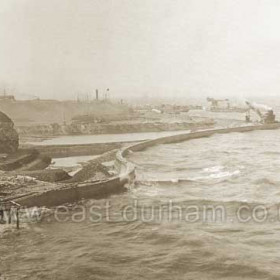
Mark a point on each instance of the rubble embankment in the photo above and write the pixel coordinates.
(108, 128)
(14, 187)
(93, 169)
(46, 175)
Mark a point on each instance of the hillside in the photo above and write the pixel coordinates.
(30, 112)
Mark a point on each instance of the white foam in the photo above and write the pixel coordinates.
(224, 174)
(214, 168)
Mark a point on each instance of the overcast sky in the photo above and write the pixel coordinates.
(58, 48)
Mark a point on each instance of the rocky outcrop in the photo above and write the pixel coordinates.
(9, 139)
(12, 157)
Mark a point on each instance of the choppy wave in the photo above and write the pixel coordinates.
(266, 181)
(219, 171)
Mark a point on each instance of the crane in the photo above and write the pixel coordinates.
(268, 117)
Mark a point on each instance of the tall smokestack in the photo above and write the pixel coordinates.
(97, 95)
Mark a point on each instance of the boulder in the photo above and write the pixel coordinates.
(9, 139)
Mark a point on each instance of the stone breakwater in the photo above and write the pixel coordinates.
(126, 171)
(72, 191)
(60, 151)
(194, 135)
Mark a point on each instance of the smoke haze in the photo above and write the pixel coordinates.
(157, 48)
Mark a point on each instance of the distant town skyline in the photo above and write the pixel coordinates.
(159, 48)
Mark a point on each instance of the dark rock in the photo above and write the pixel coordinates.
(9, 139)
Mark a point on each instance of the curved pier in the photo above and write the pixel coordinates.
(72, 193)
(193, 135)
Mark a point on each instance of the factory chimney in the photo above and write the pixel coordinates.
(97, 95)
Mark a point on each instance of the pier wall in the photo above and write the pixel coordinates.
(59, 151)
(194, 135)
(126, 170)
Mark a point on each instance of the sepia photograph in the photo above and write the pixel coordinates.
(139, 139)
